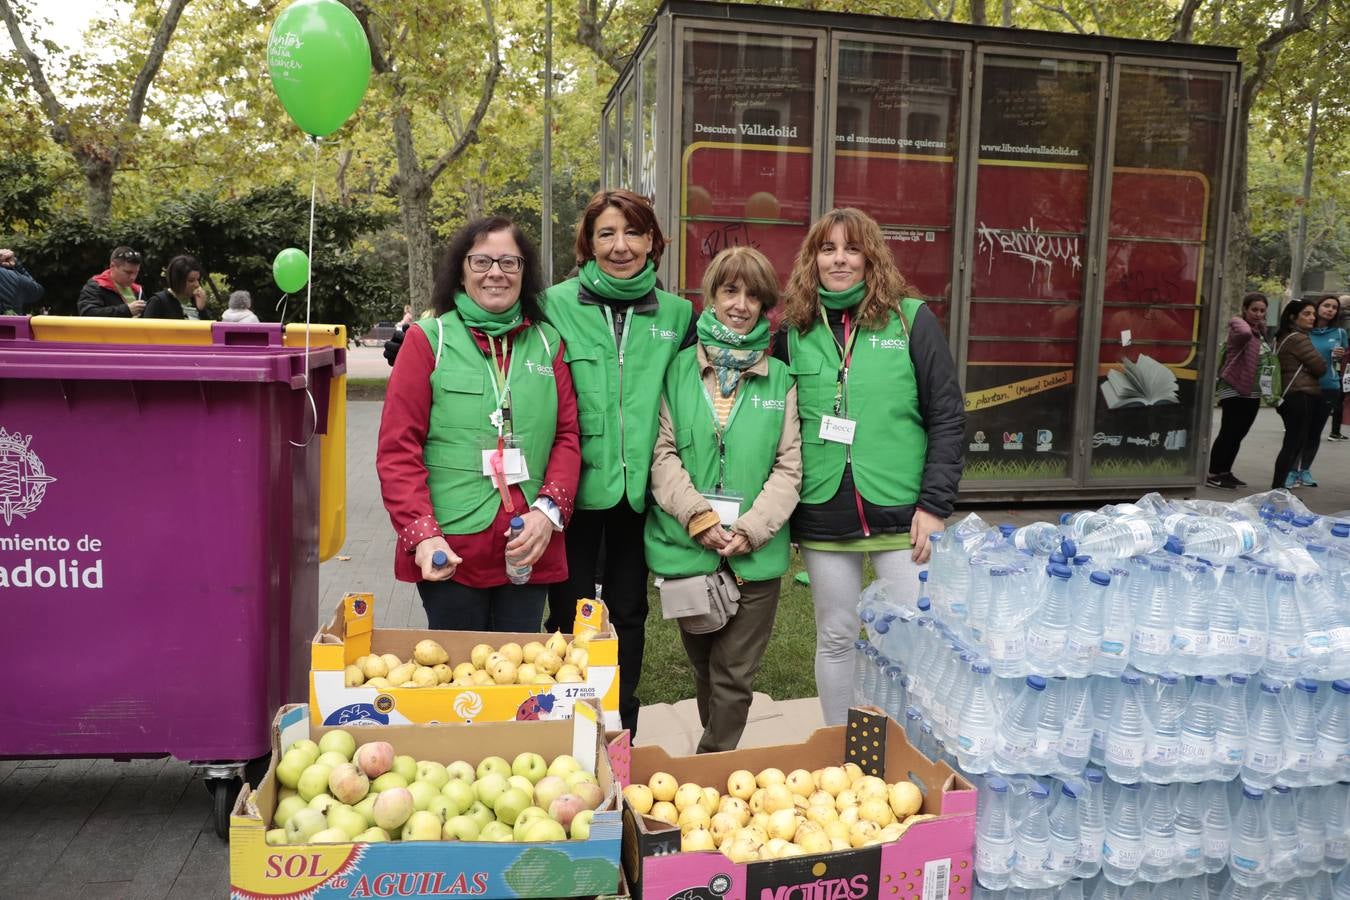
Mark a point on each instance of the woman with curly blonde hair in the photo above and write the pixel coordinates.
(882, 417)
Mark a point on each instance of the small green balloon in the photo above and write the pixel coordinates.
(290, 269)
(319, 59)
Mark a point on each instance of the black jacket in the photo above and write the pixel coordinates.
(165, 305)
(18, 289)
(943, 409)
(98, 300)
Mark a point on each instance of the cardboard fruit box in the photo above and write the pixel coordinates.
(352, 634)
(933, 858)
(433, 868)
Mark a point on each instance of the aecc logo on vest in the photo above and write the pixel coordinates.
(662, 334)
(535, 368)
(761, 403)
(888, 343)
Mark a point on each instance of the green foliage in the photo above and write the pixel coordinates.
(25, 187)
(235, 238)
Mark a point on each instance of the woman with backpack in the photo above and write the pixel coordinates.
(1239, 391)
(1301, 397)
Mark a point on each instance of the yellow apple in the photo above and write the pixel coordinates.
(845, 799)
(735, 807)
(876, 810)
(777, 797)
(512, 651)
(429, 653)
(374, 667)
(531, 651)
(799, 781)
(870, 786)
(815, 842)
(479, 654)
(905, 799)
(834, 779)
(663, 786)
(783, 824)
(687, 795)
(821, 814)
(770, 776)
(353, 676)
(693, 817)
(854, 772)
(741, 784)
(639, 796)
(860, 832)
(711, 799)
(666, 812)
(697, 839)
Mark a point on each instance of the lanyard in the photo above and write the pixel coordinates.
(627, 330)
(721, 431)
(845, 358)
(500, 374)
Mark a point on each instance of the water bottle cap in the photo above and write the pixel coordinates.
(1100, 578)
(926, 728)
(1173, 545)
(1341, 529)
(1341, 686)
(1252, 792)
(912, 712)
(882, 661)
(936, 536)
(1068, 791)
(1316, 548)
(1206, 679)
(889, 617)
(1305, 684)
(517, 522)
(1036, 682)
(1068, 548)
(1168, 677)
(1131, 785)
(1302, 521)
(1037, 791)
(892, 671)
(1130, 677)
(967, 657)
(872, 652)
(1006, 529)
(1270, 687)
(996, 784)
(1059, 571)
(1280, 788)
(1237, 678)
(923, 575)
(1095, 776)
(1082, 559)
(924, 604)
(867, 615)
(1283, 575)
(980, 667)
(861, 644)
(998, 571)
(883, 627)
(1064, 518)
(1059, 558)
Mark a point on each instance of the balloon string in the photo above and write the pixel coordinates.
(309, 287)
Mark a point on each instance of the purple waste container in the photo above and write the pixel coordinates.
(158, 546)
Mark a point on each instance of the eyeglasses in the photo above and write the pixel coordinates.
(481, 262)
(130, 256)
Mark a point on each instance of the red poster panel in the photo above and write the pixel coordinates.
(896, 189)
(747, 182)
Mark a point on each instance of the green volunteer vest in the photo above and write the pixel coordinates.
(751, 438)
(890, 444)
(618, 401)
(463, 399)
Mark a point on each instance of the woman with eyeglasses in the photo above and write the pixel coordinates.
(480, 429)
(622, 333)
(114, 291)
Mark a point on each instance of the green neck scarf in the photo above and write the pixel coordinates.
(606, 286)
(845, 299)
(490, 323)
(729, 352)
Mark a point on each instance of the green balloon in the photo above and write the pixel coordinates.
(319, 59)
(290, 269)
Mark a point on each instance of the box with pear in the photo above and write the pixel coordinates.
(400, 676)
(496, 809)
(853, 812)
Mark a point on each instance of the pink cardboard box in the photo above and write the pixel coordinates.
(932, 859)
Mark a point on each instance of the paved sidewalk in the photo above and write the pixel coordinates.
(103, 829)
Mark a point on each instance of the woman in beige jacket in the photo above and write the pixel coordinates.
(1301, 397)
(725, 476)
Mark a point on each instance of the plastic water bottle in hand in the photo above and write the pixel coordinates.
(517, 573)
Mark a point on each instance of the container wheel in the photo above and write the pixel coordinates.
(223, 794)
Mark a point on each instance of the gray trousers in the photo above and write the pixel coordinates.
(725, 663)
(836, 583)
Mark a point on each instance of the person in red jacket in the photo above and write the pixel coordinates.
(114, 291)
(480, 427)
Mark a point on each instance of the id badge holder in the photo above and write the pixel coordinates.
(727, 505)
(514, 467)
(837, 429)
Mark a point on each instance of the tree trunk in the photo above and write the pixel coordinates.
(98, 168)
(414, 204)
(978, 14)
(1239, 217)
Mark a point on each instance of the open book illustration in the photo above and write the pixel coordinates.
(1141, 382)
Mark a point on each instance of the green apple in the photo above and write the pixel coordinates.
(489, 787)
(543, 829)
(460, 828)
(496, 832)
(283, 792)
(460, 794)
(575, 778)
(510, 804)
(373, 835)
(459, 770)
(313, 781)
(479, 811)
(330, 758)
(406, 767)
(549, 788)
(308, 748)
(275, 837)
(386, 781)
(330, 836)
(422, 794)
(393, 808)
(292, 765)
(530, 765)
(564, 765)
(338, 741)
(432, 773)
(494, 764)
(347, 820)
(441, 806)
(581, 825)
(523, 820)
(422, 826)
(287, 808)
(304, 825)
(520, 781)
(367, 808)
(321, 802)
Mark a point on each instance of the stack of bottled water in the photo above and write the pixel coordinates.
(1168, 662)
